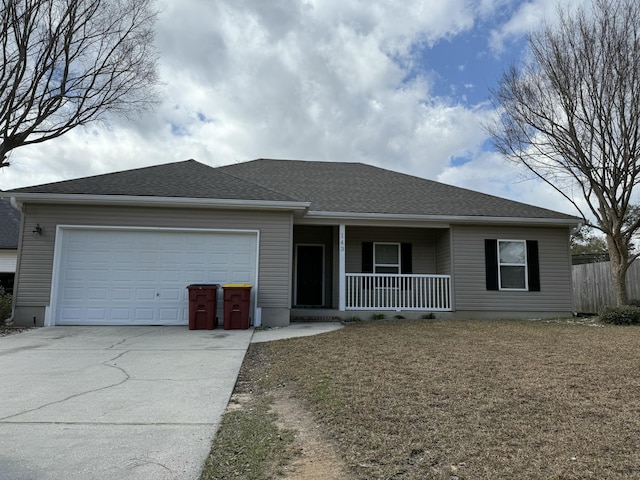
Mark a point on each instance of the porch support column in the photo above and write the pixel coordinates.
(342, 282)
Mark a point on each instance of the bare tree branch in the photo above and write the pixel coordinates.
(70, 62)
(571, 116)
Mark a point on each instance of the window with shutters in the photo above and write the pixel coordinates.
(512, 264)
(386, 258)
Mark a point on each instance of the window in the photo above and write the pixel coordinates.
(386, 258)
(512, 264)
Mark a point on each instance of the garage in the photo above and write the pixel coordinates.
(130, 276)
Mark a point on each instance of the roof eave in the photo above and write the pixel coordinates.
(18, 199)
(450, 219)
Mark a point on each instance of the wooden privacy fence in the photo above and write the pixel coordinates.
(593, 288)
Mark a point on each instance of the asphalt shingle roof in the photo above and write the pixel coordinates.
(329, 186)
(361, 188)
(9, 226)
(189, 179)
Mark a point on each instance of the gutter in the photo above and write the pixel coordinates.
(17, 199)
(451, 219)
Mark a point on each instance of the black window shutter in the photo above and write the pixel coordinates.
(406, 259)
(367, 257)
(533, 265)
(491, 263)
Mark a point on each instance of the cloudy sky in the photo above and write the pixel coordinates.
(400, 84)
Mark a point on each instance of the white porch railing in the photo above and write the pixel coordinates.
(368, 291)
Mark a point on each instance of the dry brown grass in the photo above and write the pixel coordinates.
(470, 399)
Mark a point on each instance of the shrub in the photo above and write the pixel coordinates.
(623, 315)
(5, 305)
(398, 317)
(378, 316)
(428, 316)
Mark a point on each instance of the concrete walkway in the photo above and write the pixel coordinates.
(294, 330)
(125, 403)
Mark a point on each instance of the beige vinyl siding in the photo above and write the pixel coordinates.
(469, 270)
(443, 252)
(35, 261)
(34, 280)
(421, 239)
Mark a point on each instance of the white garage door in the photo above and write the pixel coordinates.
(139, 277)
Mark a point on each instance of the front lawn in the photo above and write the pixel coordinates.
(465, 399)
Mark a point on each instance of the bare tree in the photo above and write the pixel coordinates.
(571, 115)
(69, 62)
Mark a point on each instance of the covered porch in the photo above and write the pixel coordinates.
(342, 268)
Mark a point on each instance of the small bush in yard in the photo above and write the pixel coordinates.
(5, 305)
(623, 315)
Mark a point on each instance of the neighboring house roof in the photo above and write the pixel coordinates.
(327, 187)
(9, 226)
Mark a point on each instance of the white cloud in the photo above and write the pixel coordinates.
(528, 16)
(313, 79)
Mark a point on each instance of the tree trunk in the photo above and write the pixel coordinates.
(619, 266)
(619, 276)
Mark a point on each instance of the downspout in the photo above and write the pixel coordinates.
(18, 206)
(577, 228)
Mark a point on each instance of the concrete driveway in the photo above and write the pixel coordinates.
(113, 402)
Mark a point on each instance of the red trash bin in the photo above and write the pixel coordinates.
(237, 304)
(203, 303)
